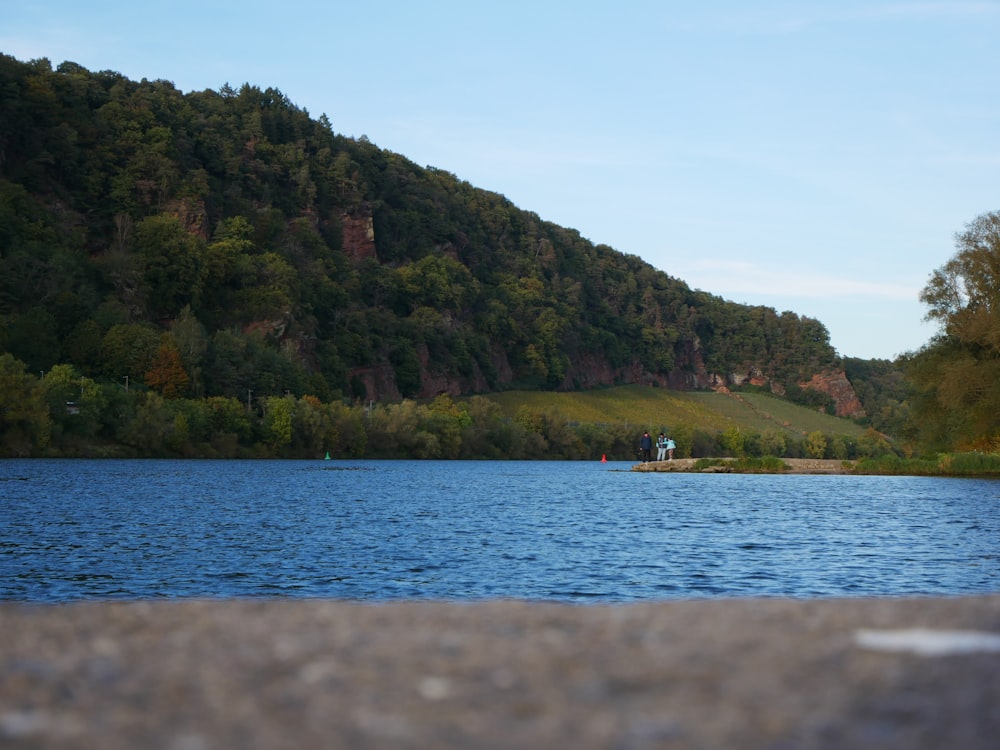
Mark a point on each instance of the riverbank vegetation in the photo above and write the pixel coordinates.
(962, 464)
(66, 414)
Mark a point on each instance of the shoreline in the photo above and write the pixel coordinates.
(795, 466)
(894, 673)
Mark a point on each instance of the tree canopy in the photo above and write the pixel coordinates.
(957, 375)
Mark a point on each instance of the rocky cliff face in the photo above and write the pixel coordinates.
(591, 370)
(359, 232)
(839, 388)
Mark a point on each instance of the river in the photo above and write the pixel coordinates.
(466, 530)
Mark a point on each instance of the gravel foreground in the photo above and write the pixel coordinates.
(734, 673)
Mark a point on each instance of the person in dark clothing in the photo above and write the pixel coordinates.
(645, 446)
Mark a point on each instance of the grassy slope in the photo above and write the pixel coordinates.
(658, 408)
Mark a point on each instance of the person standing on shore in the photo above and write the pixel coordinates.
(645, 447)
(671, 446)
(661, 447)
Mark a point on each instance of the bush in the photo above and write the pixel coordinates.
(763, 465)
(971, 464)
(944, 465)
(746, 465)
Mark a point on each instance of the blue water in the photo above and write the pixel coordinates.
(562, 531)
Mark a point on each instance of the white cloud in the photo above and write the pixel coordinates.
(733, 278)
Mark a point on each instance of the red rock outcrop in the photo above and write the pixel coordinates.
(359, 232)
(192, 214)
(839, 388)
(379, 382)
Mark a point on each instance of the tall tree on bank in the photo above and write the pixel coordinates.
(957, 374)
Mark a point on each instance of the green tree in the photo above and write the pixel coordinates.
(348, 425)
(83, 346)
(313, 429)
(171, 262)
(198, 422)
(733, 441)
(128, 350)
(152, 430)
(816, 444)
(773, 443)
(957, 375)
(873, 445)
(75, 402)
(521, 441)
(24, 416)
(479, 433)
(268, 287)
(227, 268)
(436, 281)
(406, 366)
(839, 447)
(192, 343)
(229, 370)
(446, 420)
(229, 416)
(279, 417)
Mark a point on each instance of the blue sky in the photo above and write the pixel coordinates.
(817, 157)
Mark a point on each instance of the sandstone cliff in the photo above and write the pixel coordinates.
(839, 388)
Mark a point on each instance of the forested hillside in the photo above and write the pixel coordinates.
(225, 244)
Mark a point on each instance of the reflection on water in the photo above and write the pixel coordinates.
(566, 531)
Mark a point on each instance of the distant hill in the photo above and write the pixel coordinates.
(226, 244)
